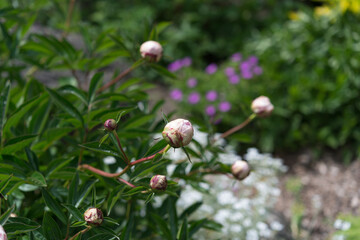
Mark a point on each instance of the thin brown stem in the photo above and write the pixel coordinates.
(121, 148)
(115, 80)
(81, 232)
(165, 149)
(68, 18)
(126, 182)
(238, 127)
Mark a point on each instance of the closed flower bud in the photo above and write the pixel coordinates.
(262, 106)
(151, 51)
(178, 133)
(93, 216)
(3, 235)
(240, 169)
(158, 182)
(110, 125)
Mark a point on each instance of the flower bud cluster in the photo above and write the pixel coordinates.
(178, 133)
(93, 216)
(151, 51)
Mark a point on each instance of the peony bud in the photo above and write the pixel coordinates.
(3, 235)
(110, 125)
(240, 169)
(13, 215)
(178, 133)
(262, 106)
(158, 182)
(151, 51)
(93, 216)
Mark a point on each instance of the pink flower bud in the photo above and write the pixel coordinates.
(110, 125)
(158, 182)
(240, 169)
(178, 133)
(262, 106)
(3, 235)
(93, 216)
(151, 51)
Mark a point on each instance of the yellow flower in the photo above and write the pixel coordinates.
(351, 5)
(294, 15)
(322, 11)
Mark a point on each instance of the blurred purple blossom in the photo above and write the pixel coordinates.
(258, 70)
(224, 106)
(245, 66)
(211, 68)
(211, 95)
(236, 57)
(174, 66)
(194, 98)
(234, 79)
(253, 60)
(191, 82)
(247, 74)
(210, 110)
(186, 62)
(176, 94)
(229, 71)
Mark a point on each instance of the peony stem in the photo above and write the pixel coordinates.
(238, 127)
(126, 182)
(121, 149)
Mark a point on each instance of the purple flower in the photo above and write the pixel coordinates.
(174, 66)
(224, 106)
(229, 71)
(253, 60)
(194, 98)
(211, 68)
(245, 66)
(192, 82)
(258, 70)
(186, 62)
(236, 57)
(176, 94)
(211, 96)
(247, 74)
(234, 79)
(210, 110)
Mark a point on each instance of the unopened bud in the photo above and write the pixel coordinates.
(13, 215)
(93, 216)
(158, 182)
(240, 169)
(3, 235)
(151, 51)
(262, 106)
(110, 125)
(178, 133)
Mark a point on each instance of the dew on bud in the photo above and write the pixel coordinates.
(3, 235)
(240, 169)
(151, 50)
(93, 216)
(110, 125)
(178, 133)
(158, 182)
(262, 106)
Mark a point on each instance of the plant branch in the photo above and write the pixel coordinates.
(126, 182)
(121, 149)
(68, 18)
(81, 232)
(164, 150)
(238, 127)
(115, 80)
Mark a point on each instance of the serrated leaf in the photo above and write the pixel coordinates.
(37, 179)
(94, 84)
(50, 228)
(65, 105)
(17, 144)
(54, 206)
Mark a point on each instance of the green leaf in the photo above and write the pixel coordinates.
(50, 228)
(196, 225)
(56, 165)
(135, 123)
(162, 224)
(54, 206)
(74, 91)
(17, 144)
(94, 84)
(84, 191)
(40, 117)
(4, 183)
(37, 179)
(184, 234)
(188, 211)
(156, 148)
(163, 71)
(73, 189)
(93, 198)
(187, 154)
(32, 158)
(103, 139)
(19, 225)
(5, 216)
(114, 197)
(22, 110)
(101, 236)
(105, 149)
(65, 105)
(149, 198)
(74, 211)
(4, 103)
(172, 216)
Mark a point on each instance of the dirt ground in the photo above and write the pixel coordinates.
(318, 191)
